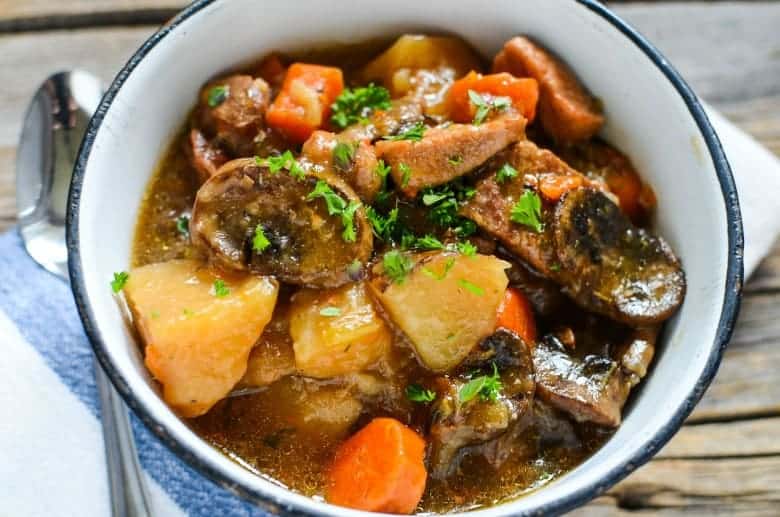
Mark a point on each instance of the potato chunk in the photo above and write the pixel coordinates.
(336, 331)
(446, 305)
(197, 343)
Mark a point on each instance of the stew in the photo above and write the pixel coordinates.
(400, 278)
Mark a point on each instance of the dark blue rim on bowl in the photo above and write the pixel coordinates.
(730, 308)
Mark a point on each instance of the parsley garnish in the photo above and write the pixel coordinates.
(188, 313)
(505, 173)
(218, 95)
(337, 206)
(260, 242)
(428, 242)
(471, 287)
(414, 133)
(440, 276)
(455, 160)
(397, 265)
(417, 393)
(119, 281)
(466, 248)
(486, 386)
(356, 104)
(406, 174)
(286, 160)
(383, 226)
(382, 171)
(183, 225)
(343, 154)
(444, 201)
(483, 106)
(528, 211)
(220, 289)
(330, 312)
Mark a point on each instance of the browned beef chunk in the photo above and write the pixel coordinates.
(566, 110)
(609, 266)
(307, 245)
(356, 162)
(592, 388)
(402, 115)
(485, 427)
(446, 153)
(204, 156)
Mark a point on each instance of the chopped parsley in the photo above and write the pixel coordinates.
(183, 225)
(343, 155)
(406, 174)
(397, 265)
(466, 248)
(218, 95)
(383, 225)
(487, 387)
(337, 206)
(188, 313)
(286, 160)
(330, 312)
(417, 393)
(220, 289)
(484, 106)
(471, 287)
(506, 173)
(444, 202)
(382, 171)
(428, 242)
(119, 281)
(155, 314)
(528, 211)
(440, 276)
(260, 242)
(414, 133)
(356, 104)
(455, 160)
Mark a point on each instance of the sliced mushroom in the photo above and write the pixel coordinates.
(612, 267)
(307, 246)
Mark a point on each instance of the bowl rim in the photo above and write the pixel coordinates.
(729, 309)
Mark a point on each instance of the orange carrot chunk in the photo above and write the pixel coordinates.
(515, 314)
(379, 469)
(303, 104)
(523, 93)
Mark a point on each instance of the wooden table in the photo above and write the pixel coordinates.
(726, 459)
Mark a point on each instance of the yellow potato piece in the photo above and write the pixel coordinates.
(336, 331)
(197, 343)
(446, 305)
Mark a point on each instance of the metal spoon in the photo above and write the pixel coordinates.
(53, 128)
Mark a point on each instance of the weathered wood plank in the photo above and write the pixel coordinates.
(744, 438)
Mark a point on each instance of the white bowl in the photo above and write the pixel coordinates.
(651, 114)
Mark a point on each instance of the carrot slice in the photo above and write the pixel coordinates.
(303, 104)
(379, 469)
(554, 186)
(515, 314)
(524, 94)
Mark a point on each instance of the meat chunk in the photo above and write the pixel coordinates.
(356, 162)
(307, 244)
(611, 267)
(204, 156)
(402, 115)
(445, 153)
(478, 426)
(566, 110)
(231, 111)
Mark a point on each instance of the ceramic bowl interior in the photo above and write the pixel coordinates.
(650, 113)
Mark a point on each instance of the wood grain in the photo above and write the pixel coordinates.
(726, 461)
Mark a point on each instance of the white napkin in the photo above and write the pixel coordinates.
(51, 451)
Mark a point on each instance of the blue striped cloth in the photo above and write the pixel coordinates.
(41, 308)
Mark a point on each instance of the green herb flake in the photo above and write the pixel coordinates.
(555, 267)
(220, 289)
(354, 268)
(383, 226)
(382, 170)
(414, 133)
(333, 201)
(471, 287)
(484, 106)
(417, 393)
(183, 225)
(455, 160)
(343, 155)
(428, 242)
(218, 94)
(397, 265)
(406, 174)
(506, 173)
(466, 248)
(155, 314)
(528, 211)
(260, 242)
(330, 312)
(356, 104)
(488, 387)
(284, 161)
(440, 276)
(188, 313)
(119, 281)
(348, 221)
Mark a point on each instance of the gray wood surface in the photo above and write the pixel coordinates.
(726, 459)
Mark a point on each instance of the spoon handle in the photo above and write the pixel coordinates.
(128, 490)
